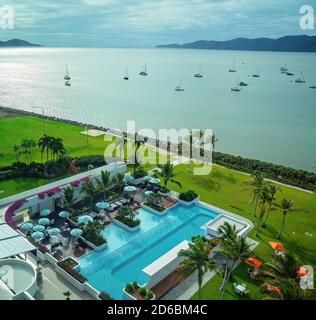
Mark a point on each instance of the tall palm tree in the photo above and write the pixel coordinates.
(286, 206)
(228, 231)
(233, 250)
(256, 185)
(89, 189)
(167, 174)
(264, 195)
(214, 140)
(57, 147)
(44, 143)
(273, 190)
(17, 150)
(68, 197)
(196, 260)
(138, 142)
(120, 182)
(104, 183)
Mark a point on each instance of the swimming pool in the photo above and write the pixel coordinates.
(128, 253)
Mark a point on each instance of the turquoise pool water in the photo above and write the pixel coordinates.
(128, 253)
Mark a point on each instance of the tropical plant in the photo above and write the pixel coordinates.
(214, 140)
(89, 189)
(155, 202)
(256, 185)
(67, 295)
(138, 142)
(167, 174)
(44, 143)
(26, 148)
(17, 151)
(119, 182)
(68, 197)
(57, 148)
(196, 260)
(264, 196)
(273, 190)
(286, 206)
(104, 183)
(227, 231)
(233, 248)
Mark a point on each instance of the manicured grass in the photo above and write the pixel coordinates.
(13, 130)
(14, 186)
(223, 188)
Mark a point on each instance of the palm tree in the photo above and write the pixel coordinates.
(138, 142)
(228, 231)
(17, 150)
(57, 147)
(256, 185)
(273, 190)
(264, 196)
(196, 260)
(288, 289)
(68, 197)
(168, 174)
(233, 249)
(104, 183)
(286, 206)
(214, 140)
(90, 190)
(44, 143)
(67, 294)
(120, 182)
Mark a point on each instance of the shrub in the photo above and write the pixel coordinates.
(188, 196)
(126, 215)
(105, 296)
(150, 294)
(74, 273)
(91, 232)
(94, 160)
(140, 172)
(155, 202)
(129, 287)
(143, 292)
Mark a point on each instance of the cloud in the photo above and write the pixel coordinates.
(148, 22)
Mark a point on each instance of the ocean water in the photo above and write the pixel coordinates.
(273, 119)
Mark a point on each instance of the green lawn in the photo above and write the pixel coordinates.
(222, 188)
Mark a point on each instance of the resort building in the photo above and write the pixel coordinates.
(92, 247)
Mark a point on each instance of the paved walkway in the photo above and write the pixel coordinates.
(53, 286)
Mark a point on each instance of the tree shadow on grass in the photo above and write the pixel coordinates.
(207, 184)
(224, 176)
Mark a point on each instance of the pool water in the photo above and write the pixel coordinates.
(128, 253)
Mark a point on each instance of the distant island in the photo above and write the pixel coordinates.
(17, 43)
(285, 44)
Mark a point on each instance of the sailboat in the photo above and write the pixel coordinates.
(289, 73)
(67, 75)
(144, 71)
(256, 75)
(237, 87)
(233, 69)
(179, 87)
(313, 87)
(284, 69)
(199, 74)
(243, 84)
(67, 83)
(126, 77)
(300, 79)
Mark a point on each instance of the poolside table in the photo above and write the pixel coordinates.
(240, 289)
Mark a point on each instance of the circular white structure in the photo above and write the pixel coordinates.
(17, 279)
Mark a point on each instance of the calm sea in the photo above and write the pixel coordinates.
(273, 119)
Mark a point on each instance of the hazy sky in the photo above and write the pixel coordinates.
(143, 23)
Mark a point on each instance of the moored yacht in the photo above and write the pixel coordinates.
(233, 69)
(144, 71)
(126, 77)
(199, 74)
(284, 69)
(67, 75)
(67, 83)
(300, 79)
(256, 75)
(237, 88)
(179, 87)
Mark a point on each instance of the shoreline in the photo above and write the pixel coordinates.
(159, 145)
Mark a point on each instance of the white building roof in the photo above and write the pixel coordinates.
(166, 258)
(6, 232)
(14, 246)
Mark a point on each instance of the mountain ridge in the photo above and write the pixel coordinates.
(18, 43)
(301, 43)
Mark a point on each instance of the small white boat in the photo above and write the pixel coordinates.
(237, 88)
(67, 83)
(300, 79)
(199, 74)
(144, 71)
(67, 75)
(233, 69)
(256, 75)
(179, 87)
(126, 77)
(284, 69)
